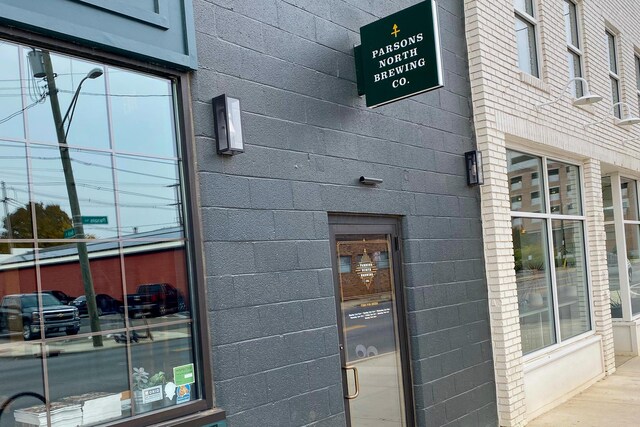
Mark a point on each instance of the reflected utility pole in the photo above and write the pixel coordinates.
(83, 255)
(7, 218)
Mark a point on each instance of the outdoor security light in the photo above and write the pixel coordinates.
(474, 168)
(226, 115)
(586, 99)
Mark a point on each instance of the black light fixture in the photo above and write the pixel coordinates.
(474, 168)
(226, 116)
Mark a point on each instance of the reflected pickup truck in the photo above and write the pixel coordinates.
(20, 313)
(154, 300)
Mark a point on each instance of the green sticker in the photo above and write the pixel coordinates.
(183, 375)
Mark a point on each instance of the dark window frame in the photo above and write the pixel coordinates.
(203, 410)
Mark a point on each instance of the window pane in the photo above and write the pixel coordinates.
(613, 64)
(615, 97)
(629, 192)
(524, 170)
(614, 272)
(165, 354)
(62, 278)
(14, 187)
(89, 381)
(526, 42)
(89, 126)
(142, 111)
(17, 285)
(525, 6)
(564, 196)
(632, 236)
(571, 23)
(93, 183)
(534, 285)
(575, 70)
(607, 198)
(149, 195)
(571, 278)
(157, 286)
(11, 89)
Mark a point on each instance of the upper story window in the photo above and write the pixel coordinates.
(526, 36)
(614, 73)
(574, 47)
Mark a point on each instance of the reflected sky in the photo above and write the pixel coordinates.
(118, 112)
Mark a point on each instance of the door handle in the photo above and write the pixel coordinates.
(356, 381)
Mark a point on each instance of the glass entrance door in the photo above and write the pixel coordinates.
(370, 321)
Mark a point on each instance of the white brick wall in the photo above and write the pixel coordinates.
(504, 100)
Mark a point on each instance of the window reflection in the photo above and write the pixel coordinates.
(133, 260)
(93, 183)
(534, 283)
(149, 195)
(16, 212)
(564, 198)
(90, 124)
(629, 199)
(524, 172)
(142, 111)
(11, 91)
(571, 277)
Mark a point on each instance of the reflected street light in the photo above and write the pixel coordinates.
(83, 255)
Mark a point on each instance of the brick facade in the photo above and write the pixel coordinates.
(504, 100)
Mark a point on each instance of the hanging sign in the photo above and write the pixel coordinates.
(399, 55)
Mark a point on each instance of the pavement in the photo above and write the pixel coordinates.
(613, 401)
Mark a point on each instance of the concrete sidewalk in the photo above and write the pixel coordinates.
(613, 401)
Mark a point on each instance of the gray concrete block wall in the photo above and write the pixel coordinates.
(308, 139)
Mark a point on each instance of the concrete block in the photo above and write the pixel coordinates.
(275, 256)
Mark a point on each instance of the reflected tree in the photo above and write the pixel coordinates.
(52, 221)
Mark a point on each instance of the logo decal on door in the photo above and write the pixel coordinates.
(366, 269)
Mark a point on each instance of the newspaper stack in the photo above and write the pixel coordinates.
(97, 407)
(63, 414)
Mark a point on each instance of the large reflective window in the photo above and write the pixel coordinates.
(534, 283)
(607, 198)
(543, 295)
(94, 259)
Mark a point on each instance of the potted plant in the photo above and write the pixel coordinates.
(140, 382)
(616, 305)
(158, 379)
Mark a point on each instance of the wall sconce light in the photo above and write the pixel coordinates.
(370, 181)
(626, 120)
(474, 168)
(226, 116)
(587, 97)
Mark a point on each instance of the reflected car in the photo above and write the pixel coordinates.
(20, 313)
(106, 304)
(155, 300)
(61, 296)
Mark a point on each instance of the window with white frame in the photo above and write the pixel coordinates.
(574, 47)
(526, 40)
(549, 253)
(623, 237)
(614, 75)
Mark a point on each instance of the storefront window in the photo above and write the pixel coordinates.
(96, 288)
(549, 252)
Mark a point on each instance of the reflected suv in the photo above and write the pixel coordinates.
(20, 313)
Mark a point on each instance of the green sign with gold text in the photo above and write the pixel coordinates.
(399, 55)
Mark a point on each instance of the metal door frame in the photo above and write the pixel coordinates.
(361, 224)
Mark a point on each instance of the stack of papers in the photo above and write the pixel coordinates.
(73, 411)
(63, 414)
(97, 407)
